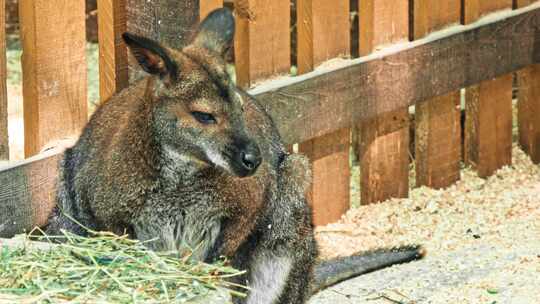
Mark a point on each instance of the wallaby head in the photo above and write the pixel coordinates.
(198, 115)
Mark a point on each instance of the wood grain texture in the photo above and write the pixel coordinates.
(432, 15)
(207, 6)
(323, 34)
(529, 111)
(438, 141)
(54, 71)
(488, 125)
(474, 9)
(382, 23)
(27, 194)
(330, 194)
(262, 45)
(384, 157)
(522, 3)
(113, 56)
(4, 138)
(320, 103)
(437, 128)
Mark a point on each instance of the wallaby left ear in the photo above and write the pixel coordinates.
(152, 57)
(216, 32)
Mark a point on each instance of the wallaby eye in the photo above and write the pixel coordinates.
(204, 118)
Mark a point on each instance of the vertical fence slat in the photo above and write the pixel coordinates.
(384, 157)
(522, 3)
(437, 121)
(488, 126)
(207, 6)
(113, 65)
(262, 46)
(54, 70)
(529, 111)
(384, 141)
(529, 104)
(4, 138)
(330, 191)
(382, 23)
(323, 34)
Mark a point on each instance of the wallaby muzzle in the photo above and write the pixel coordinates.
(246, 158)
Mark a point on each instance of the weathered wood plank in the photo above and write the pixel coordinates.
(474, 9)
(4, 138)
(27, 193)
(384, 157)
(54, 71)
(529, 104)
(382, 23)
(488, 125)
(262, 44)
(323, 34)
(429, 16)
(438, 141)
(334, 98)
(522, 3)
(529, 111)
(207, 6)
(329, 195)
(437, 127)
(113, 56)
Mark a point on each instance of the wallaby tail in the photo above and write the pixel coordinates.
(336, 270)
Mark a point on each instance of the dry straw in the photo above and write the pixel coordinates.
(106, 268)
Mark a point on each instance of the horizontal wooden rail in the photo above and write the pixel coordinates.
(332, 98)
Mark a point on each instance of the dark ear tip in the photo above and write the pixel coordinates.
(127, 37)
(219, 20)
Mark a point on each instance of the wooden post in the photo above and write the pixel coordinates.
(171, 22)
(207, 6)
(384, 140)
(384, 157)
(437, 127)
(54, 70)
(4, 139)
(529, 105)
(323, 34)
(382, 23)
(113, 65)
(488, 126)
(262, 46)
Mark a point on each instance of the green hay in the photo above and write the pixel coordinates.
(106, 268)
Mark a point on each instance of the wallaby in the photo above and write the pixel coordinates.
(187, 158)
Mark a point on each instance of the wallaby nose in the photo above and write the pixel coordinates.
(251, 158)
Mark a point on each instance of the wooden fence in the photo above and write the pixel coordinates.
(416, 52)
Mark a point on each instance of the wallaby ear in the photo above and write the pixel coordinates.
(216, 32)
(152, 57)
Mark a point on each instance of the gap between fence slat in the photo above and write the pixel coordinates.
(54, 71)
